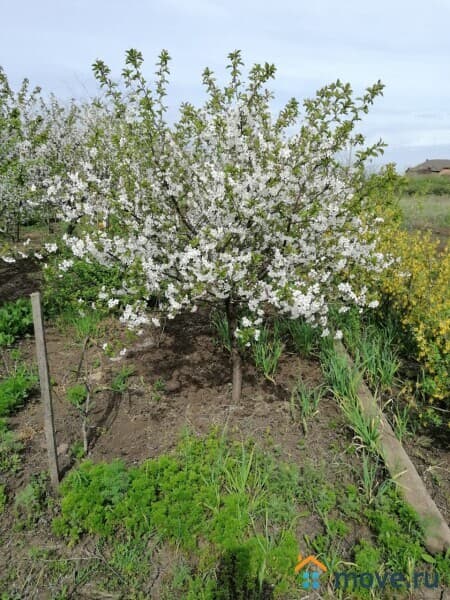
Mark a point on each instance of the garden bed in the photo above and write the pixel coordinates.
(179, 381)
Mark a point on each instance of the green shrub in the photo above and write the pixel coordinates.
(79, 286)
(15, 321)
(421, 302)
(423, 186)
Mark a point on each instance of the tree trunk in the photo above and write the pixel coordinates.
(237, 376)
(235, 354)
(51, 229)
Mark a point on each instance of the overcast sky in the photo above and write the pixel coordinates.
(405, 43)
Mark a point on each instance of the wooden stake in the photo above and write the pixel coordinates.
(41, 352)
(403, 471)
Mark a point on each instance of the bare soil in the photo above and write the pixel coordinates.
(19, 279)
(194, 372)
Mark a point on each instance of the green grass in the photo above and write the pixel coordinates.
(3, 499)
(229, 499)
(17, 384)
(427, 186)
(219, 324)
(31, 501)
(303, 337)
(374, 345)
(231, 513)
(343, 380)
(371, 483)
(267, 351)
(82, 324)
(305, 400)
(426, 211)
(15, 388)
(366, 430)
(10, 450)
(120, 382)
(379, 349)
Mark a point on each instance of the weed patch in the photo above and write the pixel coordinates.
(10, 450)
(15, 389)
(15, 321)
(230, 496)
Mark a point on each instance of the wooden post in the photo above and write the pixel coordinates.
(403, 472)
(46, 394)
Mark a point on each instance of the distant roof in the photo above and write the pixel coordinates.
(436, 164)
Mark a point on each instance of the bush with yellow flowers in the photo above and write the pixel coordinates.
(416, 285)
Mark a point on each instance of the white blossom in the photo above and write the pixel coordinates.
(229, 204)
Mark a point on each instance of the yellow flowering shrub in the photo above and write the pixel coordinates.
(418, 285)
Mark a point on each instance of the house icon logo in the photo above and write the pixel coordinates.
(311, 569)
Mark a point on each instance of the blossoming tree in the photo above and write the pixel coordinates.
(231, 205)
(39, 139)
(20, 127)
